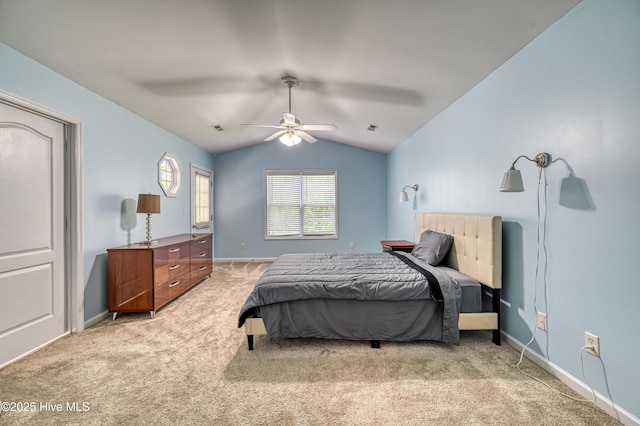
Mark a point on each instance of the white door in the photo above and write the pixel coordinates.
(201, 200)
(32, 286)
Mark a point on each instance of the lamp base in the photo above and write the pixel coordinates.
(149, 241)
(542, 159)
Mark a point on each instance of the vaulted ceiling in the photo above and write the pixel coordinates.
(193, 64)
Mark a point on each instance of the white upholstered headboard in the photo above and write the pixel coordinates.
(477, 243)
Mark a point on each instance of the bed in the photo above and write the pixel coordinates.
(386, 296)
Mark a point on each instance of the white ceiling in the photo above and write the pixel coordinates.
(191, 64)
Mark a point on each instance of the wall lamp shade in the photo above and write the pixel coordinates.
(512, 178)
(403, 194)
(512, 181)
(290, 139)
(149, 204)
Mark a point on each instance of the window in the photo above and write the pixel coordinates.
(202, 197)
(301, 204)
(169, 175)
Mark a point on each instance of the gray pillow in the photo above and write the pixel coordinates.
(432, 247)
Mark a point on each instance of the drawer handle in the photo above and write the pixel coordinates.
(203, 254)
(175, 250)
(202, 268)
(174, 284)
(202, 241)
(171, 268)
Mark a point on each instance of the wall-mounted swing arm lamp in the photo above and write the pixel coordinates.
(512, 182)
(512, 179)
(403, 194)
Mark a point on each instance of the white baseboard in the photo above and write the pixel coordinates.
(581, 388)
(244, 259)
(93, 321)
(33, 350)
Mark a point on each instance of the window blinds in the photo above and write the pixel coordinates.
(301, 203)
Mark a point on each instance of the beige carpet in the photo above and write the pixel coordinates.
(190, 365)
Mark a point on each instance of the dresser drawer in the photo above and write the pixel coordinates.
(172, 253)
(161, 295)
(200, 244)
(178, 268)
(201, 256)
(200, 268)
(170, 262)
(169, 290)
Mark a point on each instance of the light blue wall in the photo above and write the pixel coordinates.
(573, 92)
(239, 198)
(120, 156)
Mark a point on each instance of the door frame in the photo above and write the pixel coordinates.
(192, 170)
(73, 213)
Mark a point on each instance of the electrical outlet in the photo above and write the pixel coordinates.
(593, 343)
(352, 245)
(242, 246)
(542, 321)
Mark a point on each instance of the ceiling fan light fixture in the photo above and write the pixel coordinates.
(290, 139)
(292, 132)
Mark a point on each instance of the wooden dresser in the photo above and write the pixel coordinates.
(145, 277)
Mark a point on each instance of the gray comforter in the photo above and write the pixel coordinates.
(358, 276)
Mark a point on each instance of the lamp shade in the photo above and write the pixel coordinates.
(403, 196)
(148, 203)
(512, 181)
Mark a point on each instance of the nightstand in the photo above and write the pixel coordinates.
(397, 245)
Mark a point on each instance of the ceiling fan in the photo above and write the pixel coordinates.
(291, 131)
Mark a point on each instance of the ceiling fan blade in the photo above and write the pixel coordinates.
(289, 118)
(264, 125)
(275, 135)
(306, 136)
(319, 127)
